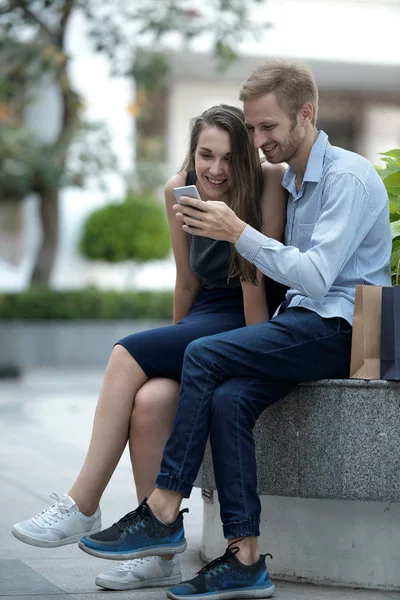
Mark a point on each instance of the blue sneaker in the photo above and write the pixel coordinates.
(226, 578)
(137, 534)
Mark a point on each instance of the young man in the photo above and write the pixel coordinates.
(337, 236)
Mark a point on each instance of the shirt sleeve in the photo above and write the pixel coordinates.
(346, 217)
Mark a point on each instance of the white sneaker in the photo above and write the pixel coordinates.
(58, 525)
(150, 571)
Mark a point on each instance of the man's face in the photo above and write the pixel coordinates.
(272, 130)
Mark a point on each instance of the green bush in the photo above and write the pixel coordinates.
(136, 229)
(46, 304)
(391, 178)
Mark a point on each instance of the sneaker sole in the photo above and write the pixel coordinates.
(150, 551)
(146, 583)
(41, 543)
(228, 595)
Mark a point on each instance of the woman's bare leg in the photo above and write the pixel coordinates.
(151, 423)
(122, 380)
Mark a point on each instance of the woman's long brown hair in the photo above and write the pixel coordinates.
(245, 174)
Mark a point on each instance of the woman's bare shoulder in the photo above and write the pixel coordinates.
(177, 180)
(273, 172)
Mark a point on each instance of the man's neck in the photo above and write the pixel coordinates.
(299, 162)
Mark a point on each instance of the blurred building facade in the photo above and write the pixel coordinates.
(359, 103)
(350, 47)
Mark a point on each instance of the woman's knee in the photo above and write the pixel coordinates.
(120, 355)
(155, 403)
(123, 366)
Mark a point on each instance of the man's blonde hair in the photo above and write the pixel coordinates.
(292, 83)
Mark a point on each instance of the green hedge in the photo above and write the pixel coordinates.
(45, 304)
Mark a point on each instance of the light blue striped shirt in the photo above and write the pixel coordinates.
(337, 233)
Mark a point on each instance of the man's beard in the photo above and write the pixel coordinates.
(288, 149)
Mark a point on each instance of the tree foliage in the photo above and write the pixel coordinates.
(132, 230)
(33, 52)
(390, 175)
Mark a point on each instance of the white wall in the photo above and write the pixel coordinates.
(381, 131)
(339, 542)
(359, 30)
(188, 99)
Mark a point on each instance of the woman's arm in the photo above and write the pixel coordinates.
(273, 201)
(273, 214)
(187, 284)
(255, 301)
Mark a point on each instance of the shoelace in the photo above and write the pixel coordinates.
(128, 564)
(141, 513)
(52, 514)
(220, 563)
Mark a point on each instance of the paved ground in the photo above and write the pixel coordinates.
(45, 422)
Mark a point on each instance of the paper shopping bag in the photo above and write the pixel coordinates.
(390, 333)
(366, 338)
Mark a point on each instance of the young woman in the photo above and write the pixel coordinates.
(216, 290)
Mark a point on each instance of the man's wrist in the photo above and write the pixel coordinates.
(238, 230)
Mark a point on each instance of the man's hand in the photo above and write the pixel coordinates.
(211, 219)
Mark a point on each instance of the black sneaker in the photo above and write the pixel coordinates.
(227, 578)
(137, 534)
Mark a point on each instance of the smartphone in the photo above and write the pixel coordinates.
(186, 190)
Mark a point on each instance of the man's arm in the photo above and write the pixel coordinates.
(347, 216)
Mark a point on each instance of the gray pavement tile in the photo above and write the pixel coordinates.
(301, 591)
(17, 579)
(38, 597)
(149, 594)
(44, 428)
(76, 574)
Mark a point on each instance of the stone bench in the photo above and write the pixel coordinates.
(329, 479)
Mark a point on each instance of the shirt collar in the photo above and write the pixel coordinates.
(315, 163)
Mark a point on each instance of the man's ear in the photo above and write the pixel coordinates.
(306, 112)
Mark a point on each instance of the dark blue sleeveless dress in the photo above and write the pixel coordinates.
(218, 308)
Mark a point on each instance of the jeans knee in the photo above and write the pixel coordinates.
(231, 402)
(225, 399)
(198, 350)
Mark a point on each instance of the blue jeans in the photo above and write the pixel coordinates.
(228, 379)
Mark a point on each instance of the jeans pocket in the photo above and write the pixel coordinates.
(344, 326)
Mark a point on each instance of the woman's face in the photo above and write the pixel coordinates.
(212, 162)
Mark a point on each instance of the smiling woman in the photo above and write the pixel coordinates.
(215, 291)
(225, 166)
(212, 163)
